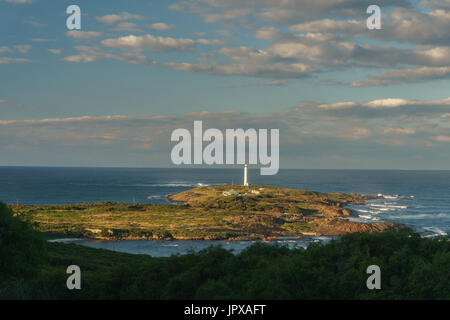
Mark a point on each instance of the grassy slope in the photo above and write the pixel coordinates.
(205, 213)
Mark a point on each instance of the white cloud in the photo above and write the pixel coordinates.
(55, 51)
(4, 49)
(24, 48)
(35, 23)
(267, 33)
(83, 35)
(19, 1)
(150, 42)
(282, 12)
(127, 26)
(333, 26)
(274, 83)
(161, 26)
(384, 104)
(442, 4)
(42, 40)
(419, 27)
(338, 105)
(7, 60)
(90, 54)
(81, 58)
(209, 42)
(65, 120)
(227, 15)
(399, 131)
(405, 76)
(113, 18)
(441, 138)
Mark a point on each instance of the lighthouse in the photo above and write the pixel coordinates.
(245, 176)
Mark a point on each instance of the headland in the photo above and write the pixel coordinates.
(225, 212)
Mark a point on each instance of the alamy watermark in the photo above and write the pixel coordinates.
(373, 281)
(374, 21)
(214, 152)
(73, 21)
(74, 280)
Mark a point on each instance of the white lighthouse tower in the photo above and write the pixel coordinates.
(245, 176)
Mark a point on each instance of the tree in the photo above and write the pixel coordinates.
(22, 254)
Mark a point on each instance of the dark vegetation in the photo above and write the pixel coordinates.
(412, 268)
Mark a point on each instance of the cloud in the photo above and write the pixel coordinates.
(90, 54)
(308, 133)
(65, 120)
(399, 131)
(227, 15)
(19, 1)
(441, 138)
(277, 70)
(312, 38)
(303, 39)
(81, 58)
(208, 15)
(281, 12)
(83, 35)
(161, 26)
(127, 26)
(274, 83)
(113, 18)
(334, 26)
(272, 33)
(209, 42)
(385, 104)
(35, 23)
(150, 42)
(223, 32)
(24, 48)
(7, 60)
(405, 76)
(407, 25)
(4, 49)
(42, 40)
(443, 4)
(55, 51)
(389, 109)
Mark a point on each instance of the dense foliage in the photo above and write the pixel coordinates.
(411, 268)
(22, 254)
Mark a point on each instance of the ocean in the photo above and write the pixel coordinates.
(418, 199)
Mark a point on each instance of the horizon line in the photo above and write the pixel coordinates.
(230, 167)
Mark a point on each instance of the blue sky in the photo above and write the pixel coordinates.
(110, 94)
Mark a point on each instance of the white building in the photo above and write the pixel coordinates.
(245, 176)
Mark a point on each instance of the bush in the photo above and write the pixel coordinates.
(22, 255)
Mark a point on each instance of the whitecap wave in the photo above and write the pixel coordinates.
(419, 216)
(435, 231)
(174, 184)
(368, 217)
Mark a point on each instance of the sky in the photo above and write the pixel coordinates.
(343, 96)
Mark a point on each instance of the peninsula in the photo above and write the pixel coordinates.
(226, 212)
